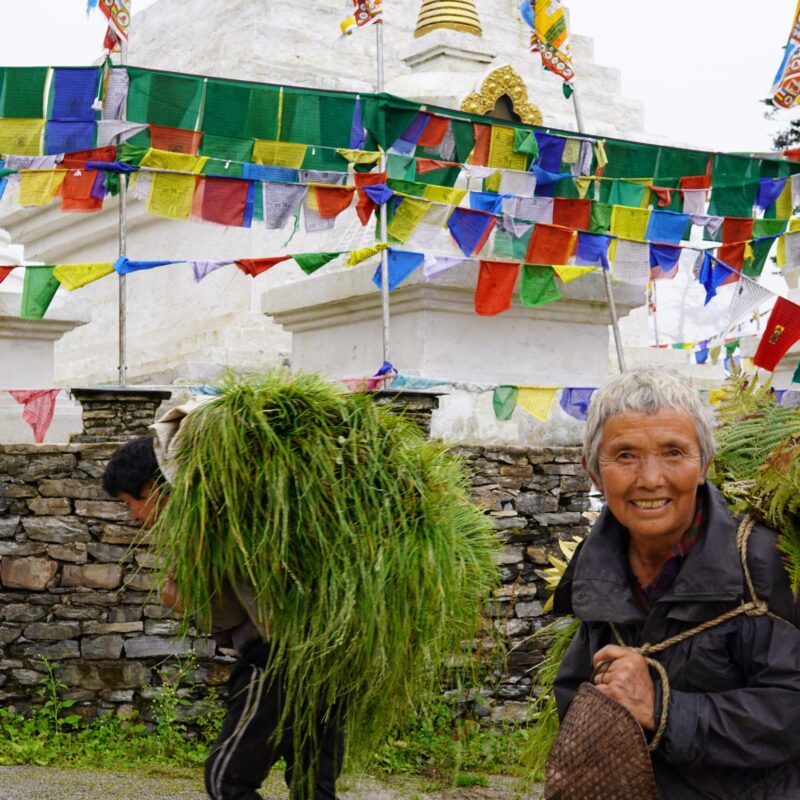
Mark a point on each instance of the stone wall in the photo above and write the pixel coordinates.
(75, 579)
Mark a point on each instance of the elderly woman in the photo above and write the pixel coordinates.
(661, 559)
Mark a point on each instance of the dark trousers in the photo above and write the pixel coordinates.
(249, 744)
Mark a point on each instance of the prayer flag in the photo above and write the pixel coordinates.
(501, 150)
(737, 229)
(550, 245)
(632, 262)
(311, 262)
(629, 223)
(537, 400)
(747, 297)
(5, 272)
(575, 401)
(38, 289)
(73, 276)
(39, 406)
(407, 217)
(171, 196)
(791, 251)
(21, 136)
(504, 401)
(600, 220)
(624, 193)
(255, 266)
(694, 201)
(666, 227)
(549, 36)
(358, 133)
(222, 200)
(551, 151)
(363, 253)
(538, 286)
(331, 201)
(401, 264)
(769, 190)
(434, 132)
(567, 272)
(782, 331)
(572, 213)
(786, 86)
(495, 287)
(78, 191)
(535, 209)
(664, 261)
(39, 188)
(760, 248)
(470, 229)
(279, 154)
(433, 265)
(517, 183)
(366, 204)
(486, 201)
(713, 273)
(203, 268)
(281, 201)
(592, 250)
(124, 265)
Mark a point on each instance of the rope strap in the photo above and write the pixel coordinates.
(754, 607)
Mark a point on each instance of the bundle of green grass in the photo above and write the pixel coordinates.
(369, 563)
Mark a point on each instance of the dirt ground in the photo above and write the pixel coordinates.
(47, 783)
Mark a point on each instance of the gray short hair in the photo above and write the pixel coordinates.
(645, 391)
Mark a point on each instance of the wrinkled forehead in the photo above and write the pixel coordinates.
(664, 428)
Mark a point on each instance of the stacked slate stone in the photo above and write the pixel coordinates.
(535, 497)
(76, 586)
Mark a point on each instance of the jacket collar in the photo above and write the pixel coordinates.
(712, 571)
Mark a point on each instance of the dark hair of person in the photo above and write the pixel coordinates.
(130, 468)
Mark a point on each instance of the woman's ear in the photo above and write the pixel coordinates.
(594, 478)
(704, 476)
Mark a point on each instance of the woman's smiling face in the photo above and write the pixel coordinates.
(650, 468)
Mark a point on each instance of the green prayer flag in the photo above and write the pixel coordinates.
(447, 176)
(753, 267)
(677, 345)
(401, 167)
(625, 193)
(538, 286)
(464, 136)
(630, 160)
(734, 186)
(796, 376)
(226, 148)
(676, 163)
(241, 110)
(504, 401)
(22, 92)
(567, 90)
(224, 168)
(768, 227)
(566, 188)
(730, 347)
(311, 262)
(163, 98)
(510, 246)
(600, 219)
(38, 288)
(525, 142)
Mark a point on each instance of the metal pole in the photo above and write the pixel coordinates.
(612, 308)
(655, 312)
(382, 209)
(123, 244)
(122, 287)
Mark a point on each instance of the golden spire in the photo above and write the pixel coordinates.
(453, 15)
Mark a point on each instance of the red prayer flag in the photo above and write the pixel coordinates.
(255, 266)
(365, 205)
(737, 229)
(696, 182)
(176, 140)
(5, 272)
(434, 131)
(483, 139)
(732, 255)
(572, 213)
(663, 194)
(39, 407)
(782, 331)
(793, 154)
(76, 191)
(496, 280)
(78, 159)
(430, 164)
(222, 200)
(549, 245)
(332, 200)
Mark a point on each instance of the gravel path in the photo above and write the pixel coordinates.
(47, 783)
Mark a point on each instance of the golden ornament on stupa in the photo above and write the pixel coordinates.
(452, 15)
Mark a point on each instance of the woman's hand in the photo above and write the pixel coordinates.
(169, 596)
(627, 680)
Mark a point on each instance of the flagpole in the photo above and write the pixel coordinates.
(382, 208)
(122, 286)
(612, 307)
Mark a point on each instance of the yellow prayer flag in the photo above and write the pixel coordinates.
(689, 345)
(363, 253)
(359, 156)
(600, 154)
(73, 276)
(537, 400)
(444, 194)
(583, 184)
(714, 354)
(783, 205)
(491, 183)
(572, 151)
(629, 223)
(780, 252)
(279, 154)
(39, 187)
(409, 214)
(501, 150)
(647, 183)
(179, 162)
(21, 137)
(171, 195)
(568, 273)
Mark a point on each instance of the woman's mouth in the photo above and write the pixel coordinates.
(650, 504)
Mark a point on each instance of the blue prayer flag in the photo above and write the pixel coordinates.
(379, 193)
(357, 133)
(663, 261)
(551, 150)
(769, 189)
(68, 137)
(74, 92)
(592, 250)
(575, 401)
(713, 273)
(123, 265)
(666, 226)
(470, 228)
(401, 264)
(486, 201)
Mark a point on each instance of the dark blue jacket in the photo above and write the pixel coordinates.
(734, 715)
